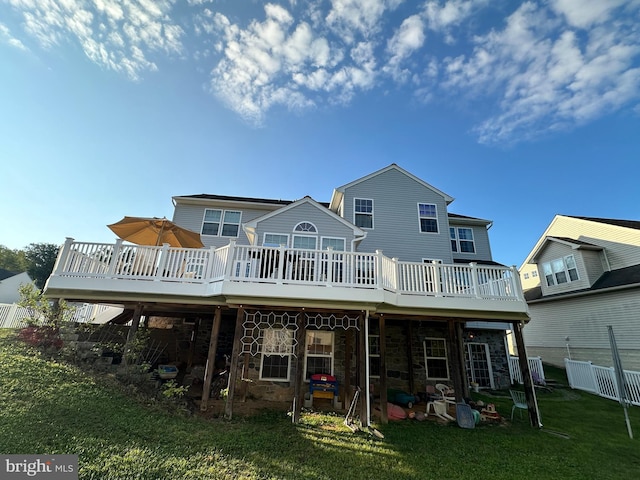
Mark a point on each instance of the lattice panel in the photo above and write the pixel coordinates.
(332, 322)
(277, 341)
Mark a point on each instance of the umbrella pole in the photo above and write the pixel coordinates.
(160, 232)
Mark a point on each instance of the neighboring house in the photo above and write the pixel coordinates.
(589, 278)
(382, 287)
(10, 285)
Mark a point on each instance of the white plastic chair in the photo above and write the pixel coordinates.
(519, 402)
(446, 392)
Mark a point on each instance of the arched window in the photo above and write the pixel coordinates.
(306, 227)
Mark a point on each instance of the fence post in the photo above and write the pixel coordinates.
(378, 269)
(474, 279)
(230, 260)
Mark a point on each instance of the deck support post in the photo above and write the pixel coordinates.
(382, 343)
(362, 371)
(211, 359)
(460, 341)
(523, 361)
(131, 335)
(233, 370)
(298, 395)
(412, 383)
(348, 353)
(457, 367)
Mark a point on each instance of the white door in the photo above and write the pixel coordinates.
(479, 364)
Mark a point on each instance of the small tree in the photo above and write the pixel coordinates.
(45, 317)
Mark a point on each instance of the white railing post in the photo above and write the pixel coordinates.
(281, 263)
(516, 284)
(378, 270)
(437, 287)
(207, 272)
(115, 258)
(61, 261)
(228, 271)
(329, 275)
(162, 263)
(395, 281)
(474, 279)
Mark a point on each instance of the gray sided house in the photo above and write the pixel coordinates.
(382, 288)
(582, 275)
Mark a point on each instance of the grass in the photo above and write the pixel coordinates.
(54, 408)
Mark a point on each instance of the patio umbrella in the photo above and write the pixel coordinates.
(155, 231)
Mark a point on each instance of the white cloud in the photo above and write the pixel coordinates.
(282, 62)
(407, 39)
(584, 13)
(6, 37)
(119, 35)
(549, 65)
(546, 75)
(354, 18)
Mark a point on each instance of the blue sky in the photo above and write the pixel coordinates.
(518, 110)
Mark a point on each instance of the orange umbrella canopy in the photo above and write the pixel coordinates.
(155, 231)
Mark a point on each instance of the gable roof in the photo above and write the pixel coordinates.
(4, 274)
(339, 192)
(250, 227)
(204, 198)
(609, 221)
(570, 242)
(623, 277)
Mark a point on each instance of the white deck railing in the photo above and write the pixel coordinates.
(279, 265)
(601, 380)
(14, 316)
(535, 365)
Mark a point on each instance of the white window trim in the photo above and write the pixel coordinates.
(458, 240)
(221, 223)
(296, 235)
(315, 355)
(315, 229)
(446, 357)
(289, 355)
(420, 217)
(373, 209)
(344, 241)
(566, 271)
(264, 236)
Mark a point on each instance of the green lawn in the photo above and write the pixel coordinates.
(54, 408)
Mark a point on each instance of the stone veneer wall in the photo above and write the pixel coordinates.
(397, 361)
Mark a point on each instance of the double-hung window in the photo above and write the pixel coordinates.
(319, 353)
(560, 270)
(277, 346)
(428, 215)
(435, 356)
(363, 212)
(462, 240)
(224, 223)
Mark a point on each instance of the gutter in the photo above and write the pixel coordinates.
(586, 293)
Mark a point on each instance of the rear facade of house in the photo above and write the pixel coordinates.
(381, 288)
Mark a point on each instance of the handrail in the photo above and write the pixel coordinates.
(280, 265)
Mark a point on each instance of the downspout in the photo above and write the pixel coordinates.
(366, 361)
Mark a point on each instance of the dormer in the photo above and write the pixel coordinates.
(567, 265)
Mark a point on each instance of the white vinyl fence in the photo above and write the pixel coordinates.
(535, 365)
(601, 380)
(14, 316)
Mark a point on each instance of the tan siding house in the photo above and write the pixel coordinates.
(588, 278)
